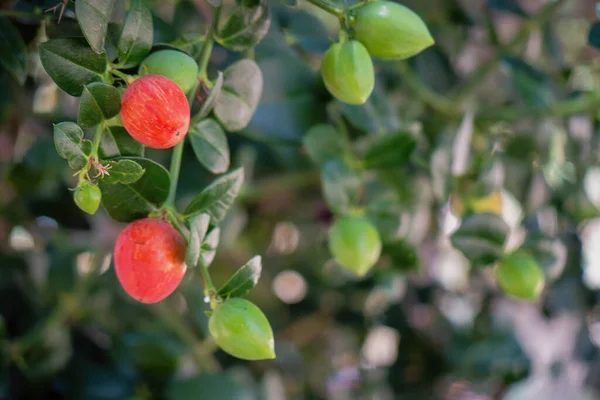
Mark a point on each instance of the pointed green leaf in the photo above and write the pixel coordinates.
(323, 142)
(117, 142)
(340, 185)
(242, 88)
(209, 246)
(246, 27)
(123, 171)
(99, 102)
(481, 238)
(390, 151)
(13, 57)
(198, 228)
(217, 197)
(93, 16)
(243, 280)
(210, 145)
(137, 35)
(71, 63)
(127, 202)
(70, 144)
(211, 100)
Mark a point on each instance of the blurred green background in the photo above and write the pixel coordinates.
(506, 102)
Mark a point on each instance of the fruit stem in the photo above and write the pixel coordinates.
(127, 78)
(328, 7)
(97, 140)
(209, 287)
(174, 172)
(208, 44)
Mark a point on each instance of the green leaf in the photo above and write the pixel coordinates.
(211, 99)
(390, 151)
(481, 238)
(13, 57)
(403, 254)
(237, 102)
(533, 86)
(70, 144)
(71, 63)
(123, 171)
(93, 16)
(340, 185)
(127, 202)
(210, 145)
(594, 35)
(323, 142)
(246, 27)
(217, 197)
(99, 102)
(243, 280)
(198, 228)
(137, 35)
(209, 246)
(117, 142)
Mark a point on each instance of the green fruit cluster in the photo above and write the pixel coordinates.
(382, 29)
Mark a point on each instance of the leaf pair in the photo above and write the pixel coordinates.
(246, 26)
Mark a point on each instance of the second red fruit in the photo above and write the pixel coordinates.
(155, 111)
(150, 259)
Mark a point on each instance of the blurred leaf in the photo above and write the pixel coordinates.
(243, 280)
(13, 57)
(340, 184)
(198, 227)
(403, 254)
(217, 197)
(123, 171)
(99, 102)
(206, 386)
(498, 355)
(208, 250)
(435, 69)
(308, 31)
(247, 26)
(242, 87)
(376, 115)
(323, 142)
(594, 35)
(127, 202)
(211, 99)
(93, 16)
(137, 35)
(71, 63)
(533, 86)
(70, 144)
(210, 145)
(390, 151)
(49, 354)
(511, 6)
(117, 142)
(481, 238)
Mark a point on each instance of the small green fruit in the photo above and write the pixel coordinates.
(172, 64)
(347, 70)
(355, 244)
(520, 276)
(242, 330)
(390, 30)
(88, 197)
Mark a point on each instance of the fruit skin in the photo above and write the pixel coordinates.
(355, 244)
(172, 64)
(390, 30)
(88, 197)
(149, 259)
(241, 329)
(155, 111)
(520, 276)
(348, 73)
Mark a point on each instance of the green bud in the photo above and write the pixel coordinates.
(242, 330)
(172, 64)
(88, 197)
(390, 30)
(520, 276)
(355, 244)
(347, 70)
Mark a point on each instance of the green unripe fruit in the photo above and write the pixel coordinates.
(88, 197)
(172, 64)
(390, 30)
(355, 244)
(242, 330)
(347, 70)
(520, 276)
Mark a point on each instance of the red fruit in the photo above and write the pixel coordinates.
(155, 111)
(150, 259)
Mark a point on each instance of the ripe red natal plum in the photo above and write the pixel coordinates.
(150, 259)
(155, 111)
